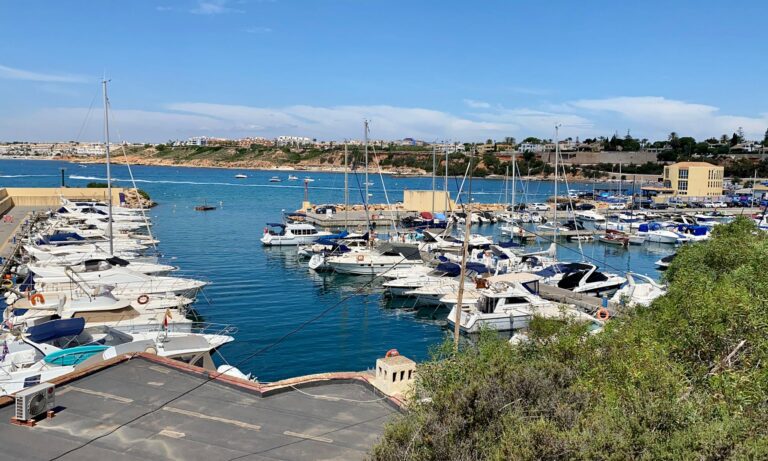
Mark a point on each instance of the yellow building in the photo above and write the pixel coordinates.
(694, 179)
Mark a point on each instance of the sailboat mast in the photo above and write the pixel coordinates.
(365, 126)
(346, 188)
(557, 154)
(434, 165)
(514, 167)
(445, 184)
(109, 171)
(464, 256)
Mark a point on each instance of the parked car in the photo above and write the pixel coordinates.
(584, 207)
(715, 205)
(617, 206)
(518, 207)
(658, 206)
(564, 206)
(325, 209)
(538, 207)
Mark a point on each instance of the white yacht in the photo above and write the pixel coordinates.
(125, 282)
(375, 261)
(589, 216)
(99, 265)
(654, 233)
(504, 306)
(443, 271)
(642, 293)
(291, 234)
(581, 278)
(57, 347)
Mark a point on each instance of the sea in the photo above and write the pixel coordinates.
(290, 320)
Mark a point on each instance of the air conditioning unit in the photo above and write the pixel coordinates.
(34, 401)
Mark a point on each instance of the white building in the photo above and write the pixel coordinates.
(530, 147)
(293, 141)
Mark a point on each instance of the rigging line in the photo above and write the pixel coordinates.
(386, 196)
(551, 240)
(215, 375)
(130, 173)
(87, 115)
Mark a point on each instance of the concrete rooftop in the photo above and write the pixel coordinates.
(224, 419)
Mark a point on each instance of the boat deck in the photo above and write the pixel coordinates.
(587, 303)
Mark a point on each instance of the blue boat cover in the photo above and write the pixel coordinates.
(440, 216)
(643, 227)
(477, 267)
(654, 226)
(65, 237)
(510, 244)
(562, 268)
(73, 355)
(56, 329)
(275, 224)
(452, 269)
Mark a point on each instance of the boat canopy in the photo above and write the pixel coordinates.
(65, 237)
(510, 244)
(73, 355)
(451, 269)
(276, 224)
(477, 267)
(426, 215)
(54, 329)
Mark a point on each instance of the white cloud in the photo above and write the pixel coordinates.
(477, 104)
(658, 116)
(648, 117)
(211, 7)
(11, 73)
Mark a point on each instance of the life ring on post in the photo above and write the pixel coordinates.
(143, 299)
(392, 353)
(603, 314)
(36, 298)
(360, 258)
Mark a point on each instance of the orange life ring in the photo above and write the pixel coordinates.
(143, 299)
(35, 298)
(360, 258)
(603, 314)
(392, 353)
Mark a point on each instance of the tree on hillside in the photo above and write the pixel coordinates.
(532, 140)
(765, 138)
(735, 139)
(682, 379)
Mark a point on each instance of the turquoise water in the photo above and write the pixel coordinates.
(268, 292)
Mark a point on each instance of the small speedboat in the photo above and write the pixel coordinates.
(293, 177)
(275, 179)
(613, 237)
(241, 176)
(308, 179)
(204, 208)
(640, 290)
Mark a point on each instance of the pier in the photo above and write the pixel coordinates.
(587, 303)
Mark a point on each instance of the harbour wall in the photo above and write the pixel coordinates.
(50, 196)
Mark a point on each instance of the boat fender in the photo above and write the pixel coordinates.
(7, 283)
(35, 298)
(143, 299)
(360, 258)
(603, 314)
(150, 350)
(392, 353)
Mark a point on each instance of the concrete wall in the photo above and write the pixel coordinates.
(592, 158)
(50, 196)
(6, 202)
(421, 200)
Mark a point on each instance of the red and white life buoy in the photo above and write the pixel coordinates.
(392, 353)
(143, 299)
(36, 298)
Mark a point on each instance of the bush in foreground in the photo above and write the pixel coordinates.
(683, 379)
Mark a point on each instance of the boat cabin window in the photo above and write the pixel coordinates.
(516, 300)
(597, 277)
(486, 305)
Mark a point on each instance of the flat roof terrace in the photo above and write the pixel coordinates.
(129, 404)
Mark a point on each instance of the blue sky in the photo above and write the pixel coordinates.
(456, 70)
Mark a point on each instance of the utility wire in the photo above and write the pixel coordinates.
(217, 374)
